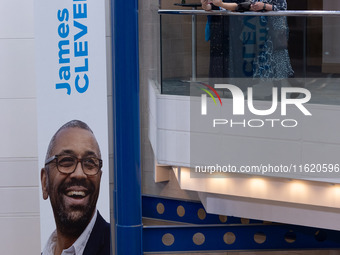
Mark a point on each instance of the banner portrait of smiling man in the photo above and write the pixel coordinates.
(72, 124)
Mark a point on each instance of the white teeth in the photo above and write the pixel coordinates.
(76, 193)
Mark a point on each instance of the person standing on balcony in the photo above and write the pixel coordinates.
(273, 60)
(217, 32)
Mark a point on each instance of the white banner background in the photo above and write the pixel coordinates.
(55, 106)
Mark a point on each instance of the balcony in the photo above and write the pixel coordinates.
(284, 68)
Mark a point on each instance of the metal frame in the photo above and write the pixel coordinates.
(191, 212)
(208, 234)
(126, 137)
(243, 237)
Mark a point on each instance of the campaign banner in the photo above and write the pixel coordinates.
(71, 82)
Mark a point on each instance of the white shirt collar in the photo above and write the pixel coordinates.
(77, 247)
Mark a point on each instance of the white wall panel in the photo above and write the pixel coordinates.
(16, 172)
(19, 200)
(173, 113)
(16, 19)
(18, 129)
(19, 235)
(172, 149)
(325, 123)
(17, 74)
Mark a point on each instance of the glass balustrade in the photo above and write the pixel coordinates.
(266, 50)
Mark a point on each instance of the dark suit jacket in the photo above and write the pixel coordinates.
(100, 238)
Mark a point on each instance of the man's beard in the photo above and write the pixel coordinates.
(70, 224)
(72, 221)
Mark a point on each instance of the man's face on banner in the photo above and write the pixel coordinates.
(73, 196)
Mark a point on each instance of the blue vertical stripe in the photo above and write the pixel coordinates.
(126, 125)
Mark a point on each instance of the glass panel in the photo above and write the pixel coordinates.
(270, 51)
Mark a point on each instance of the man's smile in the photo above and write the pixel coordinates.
(76, 196)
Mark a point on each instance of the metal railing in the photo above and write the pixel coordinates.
(270, 13)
